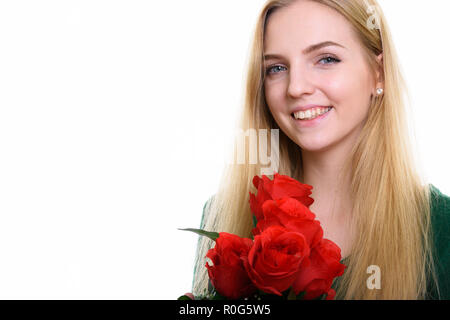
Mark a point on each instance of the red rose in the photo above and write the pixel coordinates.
(317, 278)
(275, 259)
(280, 187)
(263, 195)
(293, 215)
(228, 274)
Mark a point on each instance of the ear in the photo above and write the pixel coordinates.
(380, 72)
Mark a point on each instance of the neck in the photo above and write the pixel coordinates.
(331, 186)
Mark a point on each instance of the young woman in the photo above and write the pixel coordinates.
(325, 73)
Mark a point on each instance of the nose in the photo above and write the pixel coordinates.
(299, 84)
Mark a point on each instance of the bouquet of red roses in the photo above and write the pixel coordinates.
(287, 257)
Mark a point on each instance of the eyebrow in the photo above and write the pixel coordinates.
(308, 50)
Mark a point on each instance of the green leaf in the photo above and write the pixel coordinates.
(321, 297)
(212, 235)
(211, 288)
(291, 295)
(301, 295)
(255, 221)
(184, 297)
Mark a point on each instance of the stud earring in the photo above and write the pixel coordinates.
(380, 91)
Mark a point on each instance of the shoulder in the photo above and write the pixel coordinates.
(440, 215)
(439, 201)
(440, 223)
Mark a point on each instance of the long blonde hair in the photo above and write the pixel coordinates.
(391, 203)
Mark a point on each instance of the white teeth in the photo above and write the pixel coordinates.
(310, 113)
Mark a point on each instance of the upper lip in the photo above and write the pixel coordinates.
(307, 107)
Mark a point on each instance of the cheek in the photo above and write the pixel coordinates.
(275, 95)
(348, 90)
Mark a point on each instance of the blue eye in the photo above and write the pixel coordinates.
(277, 69)
(330, 60)
(268, 71)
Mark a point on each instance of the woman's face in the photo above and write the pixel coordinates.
(299, 75)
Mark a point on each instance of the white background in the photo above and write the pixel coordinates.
(113, 120)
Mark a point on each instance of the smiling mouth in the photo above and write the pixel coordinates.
(310, 114)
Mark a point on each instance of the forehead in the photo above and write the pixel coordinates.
(304, 23)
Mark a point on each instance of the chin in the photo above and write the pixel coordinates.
(313, 146)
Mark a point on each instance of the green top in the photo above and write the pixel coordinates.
(440, 220)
